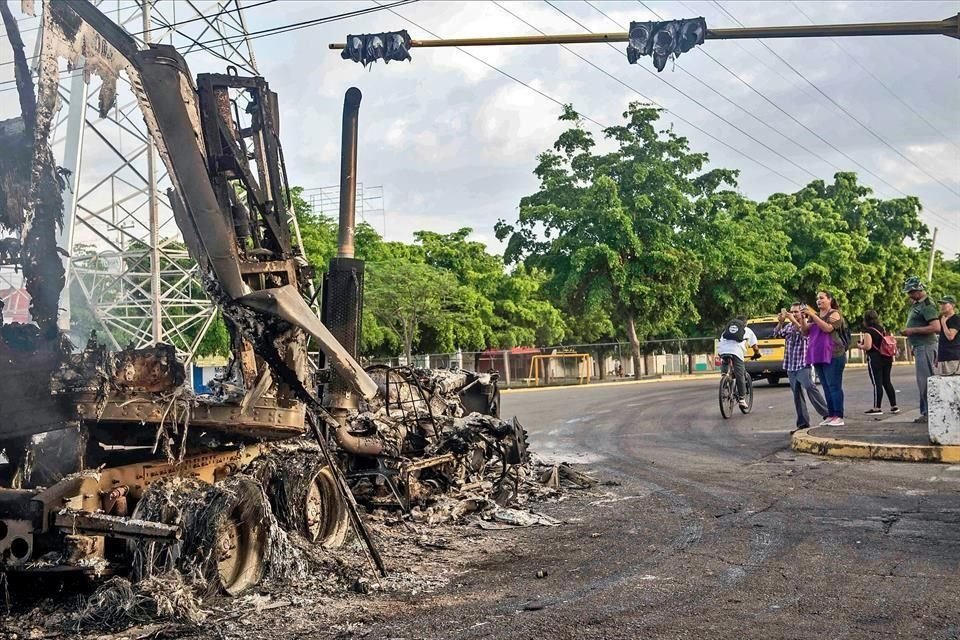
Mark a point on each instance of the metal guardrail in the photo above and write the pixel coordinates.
(608, 360)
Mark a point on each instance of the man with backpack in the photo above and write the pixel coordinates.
(923, 325)
(731, 344)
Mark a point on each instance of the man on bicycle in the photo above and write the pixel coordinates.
(734, 341)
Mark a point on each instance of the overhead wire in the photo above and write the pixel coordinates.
(789, 115)
(573, 52)
(945, 220)
(159, 27)
(845, 110)
(893, 94)
(698, 103)
(735, 104)
(494, 67)
(295, 26)
(223, 11)
(639, 93)
(932, 212)
(173, 25)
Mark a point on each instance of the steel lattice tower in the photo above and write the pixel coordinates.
(129, 275)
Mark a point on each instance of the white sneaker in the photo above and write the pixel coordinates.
(825, 422)
(837, 422)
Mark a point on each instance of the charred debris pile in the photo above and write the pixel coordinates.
(110, 464)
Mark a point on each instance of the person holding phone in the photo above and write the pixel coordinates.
(828, 339)
(790, 328)
(948, 349)
(879, 364)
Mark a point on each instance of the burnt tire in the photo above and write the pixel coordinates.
(303, 495)
(319, 512)
(225, 532)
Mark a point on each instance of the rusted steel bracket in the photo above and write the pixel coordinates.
(98, 524)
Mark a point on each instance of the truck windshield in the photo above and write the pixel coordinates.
(764, 330)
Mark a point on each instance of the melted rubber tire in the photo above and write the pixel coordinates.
(303, 495)
(226, 532)
(325, 519)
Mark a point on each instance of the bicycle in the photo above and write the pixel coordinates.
(728, 390)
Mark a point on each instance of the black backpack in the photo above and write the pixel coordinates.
(736, 330)
(845, 333)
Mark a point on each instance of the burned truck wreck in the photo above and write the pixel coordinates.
(108, 460)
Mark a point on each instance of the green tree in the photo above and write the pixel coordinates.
(318, 232)
(509, 306)
(858, 247)
(410, 299)
(746, 262)
(608, 227)
(946, 277)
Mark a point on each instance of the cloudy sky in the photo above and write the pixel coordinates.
(453, 141)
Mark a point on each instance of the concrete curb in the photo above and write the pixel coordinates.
(807, 441)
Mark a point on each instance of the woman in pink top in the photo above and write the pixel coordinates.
(827, 353)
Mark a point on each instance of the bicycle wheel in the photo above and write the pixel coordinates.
(749, 407)
(726, 396)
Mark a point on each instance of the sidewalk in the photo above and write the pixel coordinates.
(891, 438)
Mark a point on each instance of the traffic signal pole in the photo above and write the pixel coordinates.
(947, 27)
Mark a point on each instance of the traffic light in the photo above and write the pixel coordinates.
(367, 48)
(664, 39)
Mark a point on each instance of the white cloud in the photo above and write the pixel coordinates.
(454, 143)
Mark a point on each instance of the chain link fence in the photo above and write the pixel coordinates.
(599, 362)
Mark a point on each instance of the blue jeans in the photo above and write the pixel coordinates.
(831, 376)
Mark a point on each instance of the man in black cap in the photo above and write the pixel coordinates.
(948, 349)
(923, 325)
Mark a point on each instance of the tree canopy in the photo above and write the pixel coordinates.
(635, 236)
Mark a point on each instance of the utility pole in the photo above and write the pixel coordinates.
(948, 27)
(933, 253)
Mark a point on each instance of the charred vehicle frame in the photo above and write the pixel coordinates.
(112, 463)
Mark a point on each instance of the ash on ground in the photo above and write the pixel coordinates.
(335, 591)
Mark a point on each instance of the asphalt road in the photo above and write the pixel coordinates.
(715, 530)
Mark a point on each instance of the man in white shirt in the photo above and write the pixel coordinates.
(736, 338)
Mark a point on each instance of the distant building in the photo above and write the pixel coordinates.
(206, 369)
(16, 305)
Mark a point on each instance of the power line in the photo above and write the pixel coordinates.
(893, 93)
(286, 28)
(714, 90)
(700, 104)
(159, 27)
(589, 62)
(649, 100)
(845, 111)
(865, 169)
(948, 221)
(223, 11)
(491, 66)
(173, 26)
(799, 122)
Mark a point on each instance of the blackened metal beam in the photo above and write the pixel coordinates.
(348, 173)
